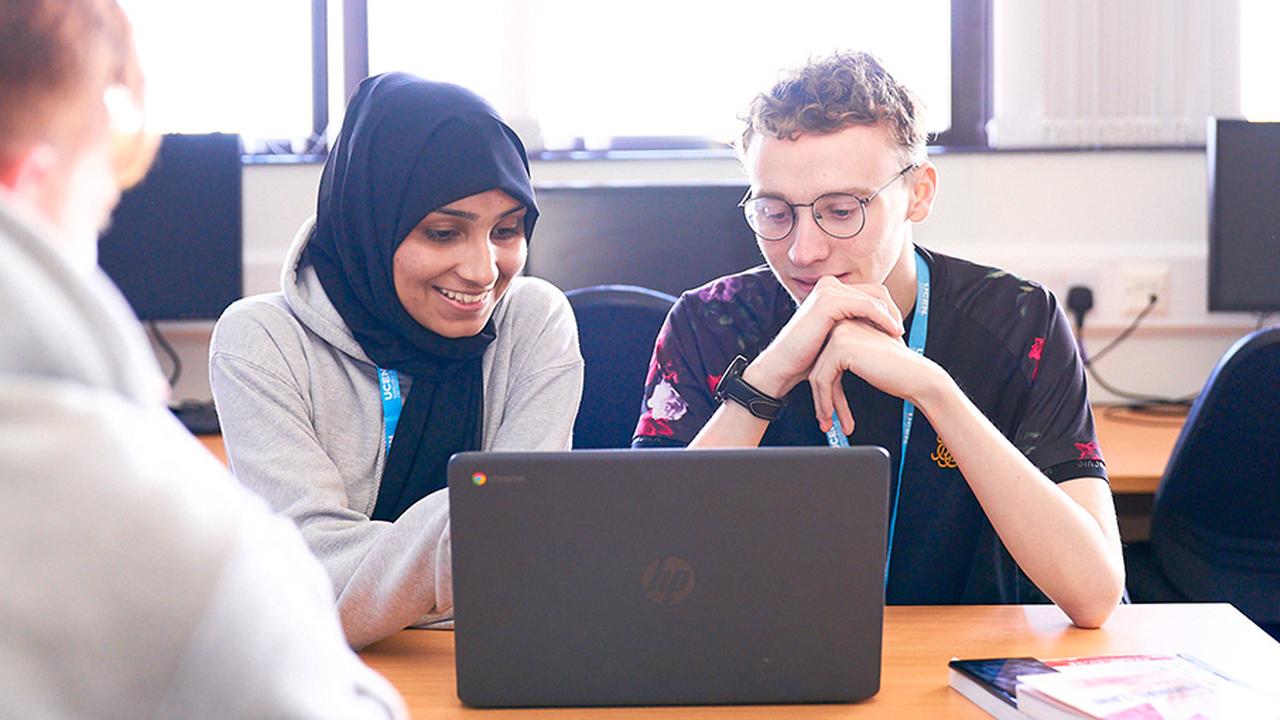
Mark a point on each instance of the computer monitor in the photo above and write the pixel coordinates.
(1244, 216)
(174, 242)
(669, 237)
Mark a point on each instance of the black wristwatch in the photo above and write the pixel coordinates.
(733, 387)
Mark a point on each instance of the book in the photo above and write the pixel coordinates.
(1132, 687)
(991, 683)
(1175, 687)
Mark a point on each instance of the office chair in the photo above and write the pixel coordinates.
(1215, 522)
(617, 326)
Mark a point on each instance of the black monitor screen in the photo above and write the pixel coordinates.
(174, 243)
(664, 237)
(1244, 216)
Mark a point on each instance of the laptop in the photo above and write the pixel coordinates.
(668, 577)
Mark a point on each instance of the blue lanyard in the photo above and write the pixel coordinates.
(916, 341)
(389, 383)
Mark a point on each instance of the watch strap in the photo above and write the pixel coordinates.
(733, 387)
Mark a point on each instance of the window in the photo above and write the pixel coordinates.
(1082, 73)
(1259, 57)
(567, 74)
(581, 74)
(586, 75)
(235, 66)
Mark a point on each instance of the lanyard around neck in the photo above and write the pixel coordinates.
(916, 341)
(389, 387)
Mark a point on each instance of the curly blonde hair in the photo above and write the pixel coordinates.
(834, 92)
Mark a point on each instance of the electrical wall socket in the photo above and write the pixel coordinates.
(1140, 282)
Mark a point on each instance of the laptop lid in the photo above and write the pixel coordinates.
(629, 577)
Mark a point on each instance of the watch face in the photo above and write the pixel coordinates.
(733, 371)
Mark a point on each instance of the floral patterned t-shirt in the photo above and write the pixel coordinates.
(1004, 340)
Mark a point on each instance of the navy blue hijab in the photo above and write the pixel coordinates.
(407, 147)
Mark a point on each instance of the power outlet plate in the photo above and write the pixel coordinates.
(1140, 282)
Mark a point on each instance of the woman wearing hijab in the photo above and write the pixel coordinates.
(403, 335)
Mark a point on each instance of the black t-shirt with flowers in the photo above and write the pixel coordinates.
(1004, 340)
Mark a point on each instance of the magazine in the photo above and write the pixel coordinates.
(1132, 687)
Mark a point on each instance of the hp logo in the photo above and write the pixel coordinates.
(668, 580)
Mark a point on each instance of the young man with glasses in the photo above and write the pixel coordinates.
(853, 334)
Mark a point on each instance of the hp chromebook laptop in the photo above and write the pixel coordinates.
(658, 577)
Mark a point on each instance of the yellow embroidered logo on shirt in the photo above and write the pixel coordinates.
(942, 456)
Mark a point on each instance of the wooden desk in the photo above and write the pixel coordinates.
(1136, 448)
(213, 443)
(918, 642)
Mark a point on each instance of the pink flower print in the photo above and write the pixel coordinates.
(650, 427)
(1037, 351)
(665, 403)
(1088, 451)
(713, 381)
(654, 369)
(656, 362)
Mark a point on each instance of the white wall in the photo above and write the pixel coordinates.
(1057, 217)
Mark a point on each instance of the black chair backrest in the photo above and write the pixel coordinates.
(1225, 467)
(1216, 518)
(617, 326)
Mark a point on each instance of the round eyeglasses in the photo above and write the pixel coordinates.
(840, 215)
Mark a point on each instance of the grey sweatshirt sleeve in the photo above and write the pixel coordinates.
(386, 576)
(268, 642)
(152, 584)
(544, 382)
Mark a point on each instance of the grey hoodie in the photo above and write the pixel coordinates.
(140, 580)
(301, 414)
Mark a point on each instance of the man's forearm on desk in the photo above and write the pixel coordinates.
(1064, 537)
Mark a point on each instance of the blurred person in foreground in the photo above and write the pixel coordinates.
(140, 579)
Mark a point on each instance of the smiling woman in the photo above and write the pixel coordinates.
(403, 334)
(454, 267)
